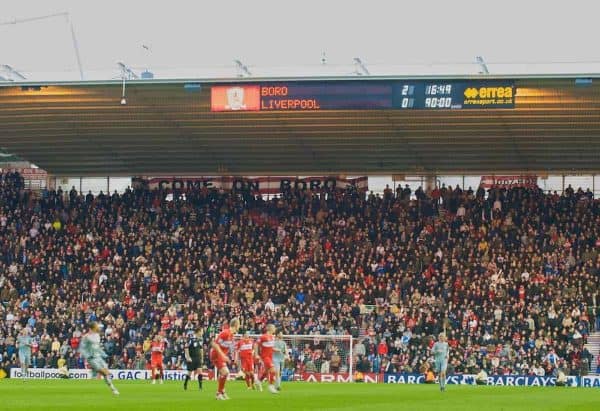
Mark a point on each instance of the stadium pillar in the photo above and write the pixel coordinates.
(51, 182)
(430, 183)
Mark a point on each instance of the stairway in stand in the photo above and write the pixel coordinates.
(593, 346)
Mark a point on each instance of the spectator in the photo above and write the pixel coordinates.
(519, 269)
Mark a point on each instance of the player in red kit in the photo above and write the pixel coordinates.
(245, 348)
(265, 345)
(221, 347)
(156, 360)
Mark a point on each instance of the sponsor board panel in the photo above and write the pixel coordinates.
(372, 378)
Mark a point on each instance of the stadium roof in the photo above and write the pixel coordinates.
(80, 128)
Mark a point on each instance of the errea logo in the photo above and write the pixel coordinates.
(488, 92)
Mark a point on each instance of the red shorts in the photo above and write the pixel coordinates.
(247, 365)
(156, 362)
(268, 362)
(217, 360)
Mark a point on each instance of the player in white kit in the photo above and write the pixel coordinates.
(91, 350)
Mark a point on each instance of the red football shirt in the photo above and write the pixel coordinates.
(266, 342)
(157, 349)
(245, 346)
(225, 341)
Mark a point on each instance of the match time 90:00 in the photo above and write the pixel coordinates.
(438, 102)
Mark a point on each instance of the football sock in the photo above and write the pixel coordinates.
(221, 384)
(200, 381)
(108, 381)
(271, 377)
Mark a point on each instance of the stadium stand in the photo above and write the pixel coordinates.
(511, 275)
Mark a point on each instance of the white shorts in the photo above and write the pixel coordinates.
(278, 366)
(441, 365)
(24, 358)
(97, 364)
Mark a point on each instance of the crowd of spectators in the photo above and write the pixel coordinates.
(512, 276)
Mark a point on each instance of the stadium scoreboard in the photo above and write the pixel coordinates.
(363, 95)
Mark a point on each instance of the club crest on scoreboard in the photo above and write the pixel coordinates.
(235, 98)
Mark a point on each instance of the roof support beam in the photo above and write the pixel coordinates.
(64, 14)
(482, 65)
(10, 74)
(361, 69)
(242, 69)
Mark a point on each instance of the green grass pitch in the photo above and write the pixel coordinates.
(141, 395)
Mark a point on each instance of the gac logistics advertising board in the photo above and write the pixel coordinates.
(363, 95)
(404, 378)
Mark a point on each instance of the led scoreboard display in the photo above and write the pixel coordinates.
(363, 95)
